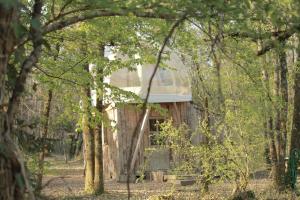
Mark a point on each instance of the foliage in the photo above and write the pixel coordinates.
(228, 44)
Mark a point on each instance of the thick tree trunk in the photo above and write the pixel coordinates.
(12, 168)
(46, 115)
(99, 177)
(9, 165)
(88, 138)
(8, 16)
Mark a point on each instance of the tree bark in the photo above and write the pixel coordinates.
(295, 135)
(7, 17)
(270, 149)
(206, 123)
(88, 138)
(281, 93)
(45, 119)
(12, 165)
(284, 99)
(99, 176)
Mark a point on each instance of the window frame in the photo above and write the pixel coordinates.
(154, 132)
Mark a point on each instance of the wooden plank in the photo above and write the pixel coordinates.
(122, 134)
(177, 114)
(140, 137)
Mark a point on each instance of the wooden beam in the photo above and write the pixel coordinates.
(177, 114)
(139, 141)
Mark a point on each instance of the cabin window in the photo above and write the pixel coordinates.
(165, 77)
(154, 129)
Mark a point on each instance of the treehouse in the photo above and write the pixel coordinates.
(171, 90)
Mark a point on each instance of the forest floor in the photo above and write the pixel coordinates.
(66, 181)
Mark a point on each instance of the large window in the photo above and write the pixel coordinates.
(154, 129)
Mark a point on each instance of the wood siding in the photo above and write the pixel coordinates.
(117, 139)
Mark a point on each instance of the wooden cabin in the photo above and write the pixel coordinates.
(171, 90)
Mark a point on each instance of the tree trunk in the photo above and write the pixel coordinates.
(45, 119)
(12, 168)
(295, 132)
(206, 122)
(9, 165)
(99, 177)
(8, 16)
(88, 138)
(282, 137)
(284, 98)
(281, 93)
(268, 121)
(295, 136)
(78, 145)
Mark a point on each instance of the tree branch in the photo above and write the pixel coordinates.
(144, 105)
(62, 23)
(271, 43)
(280, 36)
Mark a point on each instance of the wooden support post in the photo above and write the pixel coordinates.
(177, 114)
(139, 141)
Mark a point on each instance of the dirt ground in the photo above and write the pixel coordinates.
(66, 181)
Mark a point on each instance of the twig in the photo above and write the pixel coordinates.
(56, 77)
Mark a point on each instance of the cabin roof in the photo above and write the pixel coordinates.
(171, 83)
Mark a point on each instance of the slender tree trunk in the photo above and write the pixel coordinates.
(78, 145)
(270, 130)
(277, 123)
(99, 177)
(295, 132)
(271, 153)
(46, 115)
(281, 93)
(88, 138)
(284, 98)
(207, 128)
(221, 100)
(295, 136)
(282, 137)
(272, 144)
